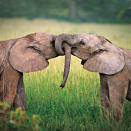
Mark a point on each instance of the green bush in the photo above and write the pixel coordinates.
(18, 120)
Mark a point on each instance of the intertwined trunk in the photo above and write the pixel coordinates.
(67, 63)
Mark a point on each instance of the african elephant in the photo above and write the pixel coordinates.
(23, 55)
(99, 55)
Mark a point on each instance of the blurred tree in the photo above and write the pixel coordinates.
(73, 11)
(69, 9)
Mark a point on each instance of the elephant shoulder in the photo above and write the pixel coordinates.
(127, 54)
(3, 51)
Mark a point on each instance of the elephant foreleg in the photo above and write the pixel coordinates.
(8, 85)
(104, 94)
(20, 95)
(118, 85)
(128, 97)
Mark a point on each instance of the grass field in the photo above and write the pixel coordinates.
(77, 106)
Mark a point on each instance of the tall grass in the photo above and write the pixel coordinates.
(77, 106)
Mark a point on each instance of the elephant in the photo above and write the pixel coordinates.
(100, 55)
(22, 55)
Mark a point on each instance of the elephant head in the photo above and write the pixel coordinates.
(31, 53)
(96, 52)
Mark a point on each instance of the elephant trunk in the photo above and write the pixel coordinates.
(67, 63)
(68, 38)
(62, 45)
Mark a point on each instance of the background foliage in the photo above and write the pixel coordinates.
(78, 10)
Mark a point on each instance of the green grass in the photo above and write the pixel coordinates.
(77, 106)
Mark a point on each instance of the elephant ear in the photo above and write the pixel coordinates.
(24, 56)
(108, 62)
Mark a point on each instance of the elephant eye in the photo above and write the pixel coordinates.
(82, 42)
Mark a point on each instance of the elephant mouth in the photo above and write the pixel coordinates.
(97, 52)
(83, 62)
(47, 60)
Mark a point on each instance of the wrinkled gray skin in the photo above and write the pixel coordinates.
(113, 63)
(22, 55)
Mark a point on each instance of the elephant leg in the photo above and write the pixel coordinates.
(8, 85)
(20, 95)
(118, 85)
(104, 94)
(128, 97)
